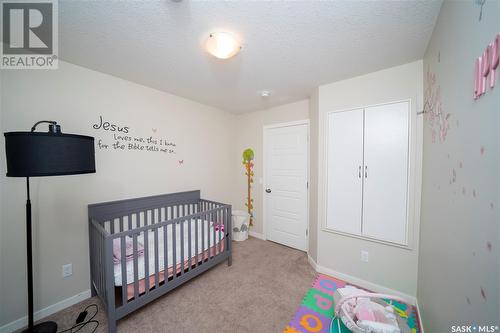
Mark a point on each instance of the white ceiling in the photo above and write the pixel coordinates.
(289, 48)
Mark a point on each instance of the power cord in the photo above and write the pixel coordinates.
(81, 322)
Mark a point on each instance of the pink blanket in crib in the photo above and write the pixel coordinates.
(214, 250)
(129, 249)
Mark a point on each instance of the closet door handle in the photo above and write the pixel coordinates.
(366, 171)
(359, 172)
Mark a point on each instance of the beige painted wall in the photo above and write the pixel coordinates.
(76, 97)
(460, 242)
(249, 134)
(389, 266)
(2, 180)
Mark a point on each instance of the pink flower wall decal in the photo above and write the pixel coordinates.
(483, 293)
(438, 120)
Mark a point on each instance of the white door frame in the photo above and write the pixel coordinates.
(264, 176)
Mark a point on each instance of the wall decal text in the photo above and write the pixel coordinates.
(120, 138)
(107, 126)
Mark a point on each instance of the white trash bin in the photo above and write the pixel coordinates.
(241, 221)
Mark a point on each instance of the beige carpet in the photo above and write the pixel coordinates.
(260, 292)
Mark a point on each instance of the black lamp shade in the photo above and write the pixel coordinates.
(32, 154)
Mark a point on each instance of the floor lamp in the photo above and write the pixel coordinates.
(36, 154)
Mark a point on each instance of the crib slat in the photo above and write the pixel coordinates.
(95, 256)
(202, 222)
(146, 256)
(189, 244)
(209, 217)
(124, 270)
(182, 243)
(174, 249)
(227, 229)
(224, 215)
(157, 283)
(99, 263)
(220, 215)
(99, 247)
(102, 263)
(165, 253)
(214, 221)
(196, 251)
(136, 266)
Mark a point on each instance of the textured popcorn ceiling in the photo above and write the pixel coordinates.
(288, 47)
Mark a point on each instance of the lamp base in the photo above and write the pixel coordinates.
(45, 327)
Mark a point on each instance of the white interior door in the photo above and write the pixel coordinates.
(286, 199)
(386, 172)
(344, 171)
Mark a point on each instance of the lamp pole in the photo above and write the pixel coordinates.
(29, 254)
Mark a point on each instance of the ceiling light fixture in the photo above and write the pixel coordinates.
(265, 93)
(222, 45)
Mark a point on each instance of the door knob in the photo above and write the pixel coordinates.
(268, 190)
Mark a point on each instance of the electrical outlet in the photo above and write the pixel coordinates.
(364, 256)
(67, 270)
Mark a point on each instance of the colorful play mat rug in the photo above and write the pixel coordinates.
(316, 312)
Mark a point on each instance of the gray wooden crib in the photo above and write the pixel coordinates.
(142, 248)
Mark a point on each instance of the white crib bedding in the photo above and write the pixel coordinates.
(161, 262)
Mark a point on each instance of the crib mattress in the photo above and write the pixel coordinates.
(195, 255)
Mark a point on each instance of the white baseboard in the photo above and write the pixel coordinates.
(368, 285)
(257, 235)
(362, 283)
(312, 262)
(419, 316)
(51, 309)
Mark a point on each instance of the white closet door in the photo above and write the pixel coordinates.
(345, 161)
(386, 172)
